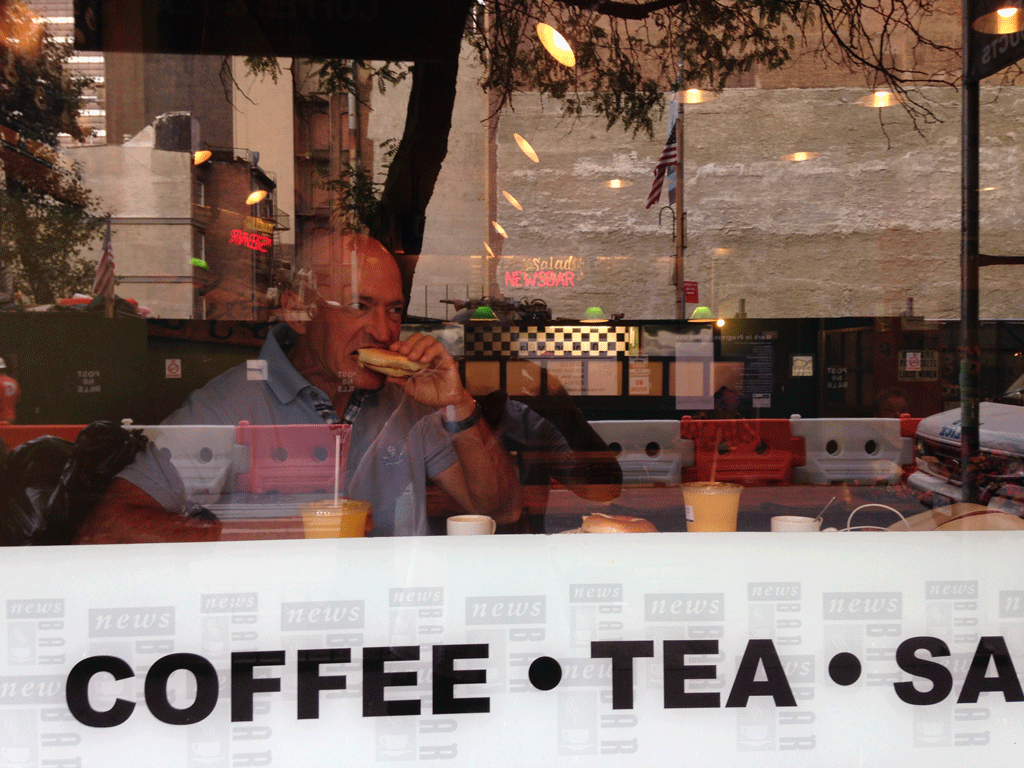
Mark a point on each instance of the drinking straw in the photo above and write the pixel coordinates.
(337, 464)
(714, 458)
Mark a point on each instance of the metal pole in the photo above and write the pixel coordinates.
(969, 311)
(680, 216)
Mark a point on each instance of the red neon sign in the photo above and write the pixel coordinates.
(252, 240)
(540, 279)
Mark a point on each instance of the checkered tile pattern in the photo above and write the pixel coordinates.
(554, 341)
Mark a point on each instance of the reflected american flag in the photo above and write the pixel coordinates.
(665, 162)
(103, 285)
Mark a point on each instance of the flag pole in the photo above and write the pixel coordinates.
(108, 297)
(680, 215)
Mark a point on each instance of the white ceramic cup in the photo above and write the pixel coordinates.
(795, 523)
(471, 525)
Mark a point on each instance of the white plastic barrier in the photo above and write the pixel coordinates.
(845, 450)
(206, 457)
(647, 451)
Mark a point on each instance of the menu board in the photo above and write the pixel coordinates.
(757, 350)
(587, 377)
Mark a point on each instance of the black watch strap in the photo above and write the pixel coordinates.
(454, 427)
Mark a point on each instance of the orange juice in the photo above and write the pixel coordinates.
(711, 506)
(325, 520)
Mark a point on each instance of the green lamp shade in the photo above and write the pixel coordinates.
(197, 262)
(483, 313)
(594, 315)
(702, 313)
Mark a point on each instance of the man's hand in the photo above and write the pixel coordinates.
(484, 480)
(440, 384)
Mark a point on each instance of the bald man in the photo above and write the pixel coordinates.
(404, 432)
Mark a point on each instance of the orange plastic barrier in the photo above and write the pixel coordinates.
(908, 428)
(14, 435)
(295, 458)
(744, 451)
(908, 425)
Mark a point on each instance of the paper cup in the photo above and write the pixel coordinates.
(324, 520)
(795, 523)
(711, 506)
(471, 525)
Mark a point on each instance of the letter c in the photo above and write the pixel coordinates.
(77, 691)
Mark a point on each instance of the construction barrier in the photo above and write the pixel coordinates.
(14, 435)
(744, 451)
(852, 450)
(294, 458)
(647, 451)
(206, 457)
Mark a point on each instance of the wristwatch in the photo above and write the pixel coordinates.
(454, 427)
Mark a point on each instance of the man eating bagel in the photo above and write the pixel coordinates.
(412, 420)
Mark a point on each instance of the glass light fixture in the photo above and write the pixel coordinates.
(525, 146)
(1004, 21)
(512, 201)
(880, 99)
(617, 184)
(694, 96)
(255, 197)
(556, 45)
(799, 157)
(490, 253)
(594, 315)
(483, 312)
(702, 313)
(499, 229)
(201, 156)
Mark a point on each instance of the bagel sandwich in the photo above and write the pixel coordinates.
(602, 523)
(388, 363)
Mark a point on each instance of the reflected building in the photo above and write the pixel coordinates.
(190, 239)
(59, 17)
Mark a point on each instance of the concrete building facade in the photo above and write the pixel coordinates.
(799, 202)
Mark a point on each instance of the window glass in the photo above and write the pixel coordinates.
(186, 201)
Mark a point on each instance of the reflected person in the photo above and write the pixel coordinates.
(404, 432)
(551, 440)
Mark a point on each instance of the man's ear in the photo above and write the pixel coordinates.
(296, 314)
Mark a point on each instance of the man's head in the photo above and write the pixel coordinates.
(891, 403)
(354, 300)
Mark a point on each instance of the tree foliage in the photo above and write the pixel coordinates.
(630, 54)
(46, 214)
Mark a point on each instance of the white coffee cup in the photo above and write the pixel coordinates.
(795, 523)
(471, 525)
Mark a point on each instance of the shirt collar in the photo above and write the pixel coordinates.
(282, 378)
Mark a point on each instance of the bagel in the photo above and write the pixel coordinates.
(388, 363)
(602, 523)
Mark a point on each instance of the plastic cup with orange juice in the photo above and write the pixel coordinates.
(330, 519)
(711, 506)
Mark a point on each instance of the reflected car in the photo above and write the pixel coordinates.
(1000, 462)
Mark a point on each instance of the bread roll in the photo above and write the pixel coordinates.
(387, 362)
(602, 523)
